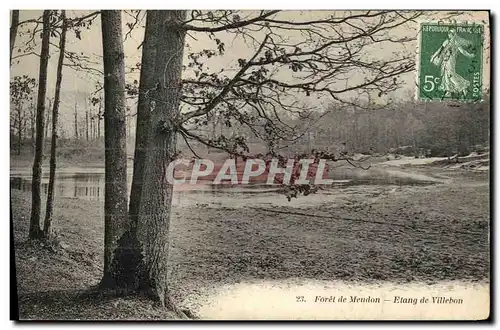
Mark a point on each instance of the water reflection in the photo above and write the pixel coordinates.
(87, 186)
(90, 186)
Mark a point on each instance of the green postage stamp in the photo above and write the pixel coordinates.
(450, 63)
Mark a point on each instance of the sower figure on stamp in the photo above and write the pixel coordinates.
(445, 58)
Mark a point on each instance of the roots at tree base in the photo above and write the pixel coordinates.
(128, 276)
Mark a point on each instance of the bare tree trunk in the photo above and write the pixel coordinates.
(91, 127)
(81, 127)
(115, 195)
(146, 83)
(35, 231)
(19, 129)
(47, 121)
(154, 216)
(76, 122)
(127, 122)
(86, 122)
(99, 122)
(13, 31)
(137, 261)
(94, 126)
(32, 124)
(50, 193)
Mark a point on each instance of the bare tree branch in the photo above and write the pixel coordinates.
(215, 101)
(235, 25)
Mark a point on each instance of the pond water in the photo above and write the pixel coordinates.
(89, 185)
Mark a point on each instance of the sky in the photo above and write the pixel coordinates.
(77, 86)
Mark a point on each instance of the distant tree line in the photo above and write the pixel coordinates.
(439, 129)
(442, 129)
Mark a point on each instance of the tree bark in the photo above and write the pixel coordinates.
(137, 261)
(99, 121)
(76, 122)
(91, 126)
(32, 124)
(55, 110)
(35, 230)
(19, 129)
(86, 123)
(115, 189)
(146, 84)
(154, 215)
(13, 32)
(47, 121)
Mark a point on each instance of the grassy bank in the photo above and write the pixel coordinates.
(419, 234)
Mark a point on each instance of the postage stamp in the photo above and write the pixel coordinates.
(450, 62)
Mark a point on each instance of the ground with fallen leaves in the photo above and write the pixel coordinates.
(373, 233)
